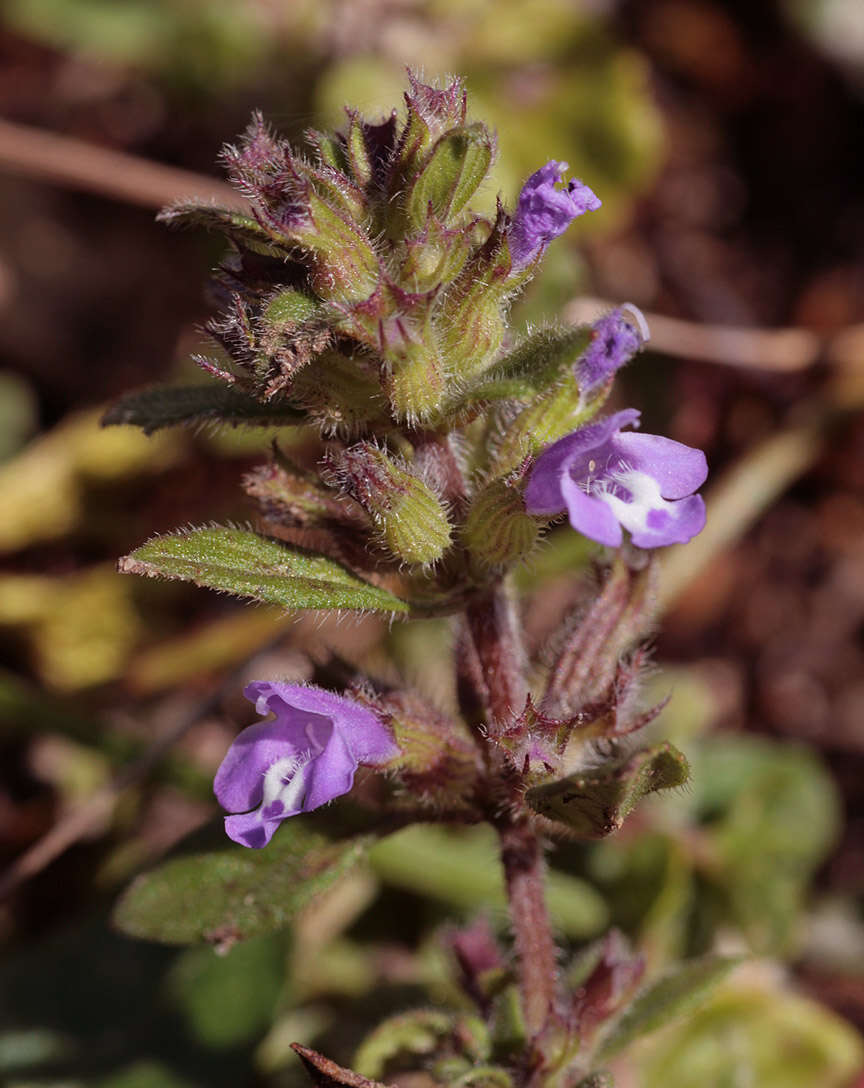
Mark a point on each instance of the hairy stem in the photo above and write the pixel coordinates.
(522, 859)
(500, 678)
(497, 640)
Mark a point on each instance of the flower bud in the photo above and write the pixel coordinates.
(411, 519)
(452, 174)
(434, 257)
(340, 394)
(431, 112)
(497, 530)
(471, 323)
(438, 765)
(313, 209)
(290, 496)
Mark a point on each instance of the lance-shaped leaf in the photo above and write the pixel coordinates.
(231, 222)
(219, 892)
(246, 564)
(544, 358)
(597, 802)
(679, 992)
(168, 406)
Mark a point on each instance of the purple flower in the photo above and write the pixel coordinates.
(616, 338)
(608, 480)
(544, 211)
(303, 758)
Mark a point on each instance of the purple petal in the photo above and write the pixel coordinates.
(544, 211)
(615, 340)
(678, 469)
(248, 829)
(239, 782)
(543, 493)
(331, 774)
(368, 739)
(679, 523)
(591, 516)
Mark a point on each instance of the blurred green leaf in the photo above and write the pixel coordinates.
(227, 893)
(597, 1080)
(772, 813)
(596, 803)
(419, 1033)
(679, 992)
(461, 868)
(241, 562)
(170, 405)
(752, 1032)
(230, 999)
(143, 1074)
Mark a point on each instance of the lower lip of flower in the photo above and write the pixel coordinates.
(285, 786)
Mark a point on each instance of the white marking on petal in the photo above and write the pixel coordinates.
(645, 499)
(284, 781)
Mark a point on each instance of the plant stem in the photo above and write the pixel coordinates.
(501, 680)
(502, 659)
(522, 859)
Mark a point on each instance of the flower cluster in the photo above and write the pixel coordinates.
(366, 297)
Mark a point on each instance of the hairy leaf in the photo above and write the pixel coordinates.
(679, 992)
(246, 564)
(219, 892)
(595, 803)
(168, 406)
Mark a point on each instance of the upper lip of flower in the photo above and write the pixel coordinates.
(545, 210)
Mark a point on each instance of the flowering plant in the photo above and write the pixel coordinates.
(366, 301)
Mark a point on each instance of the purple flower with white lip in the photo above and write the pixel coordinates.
(544, 211)
(616, 338)
(303, 758)
(608, 480)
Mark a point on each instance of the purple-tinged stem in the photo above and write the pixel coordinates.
(536, 954)
(499, 649)
(501, 678)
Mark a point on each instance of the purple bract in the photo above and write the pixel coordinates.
(303, 758)
(608, 480)
(544, 211)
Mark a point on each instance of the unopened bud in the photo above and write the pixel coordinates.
(439, 763)
(497, 530)
(411, 519)
(290, 496)
(431, 112)
(452, 174)
(339, 393)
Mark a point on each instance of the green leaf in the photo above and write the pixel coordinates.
(234, 224)
(461, 868)
(596, 803)
(168, 406)
(229, 1000)
(597, 1080)
(419, 1032)
(679, 992)
(535, 363)
(219, 892)
(246, 564)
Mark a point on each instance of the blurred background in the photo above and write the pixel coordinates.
(725, 140)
